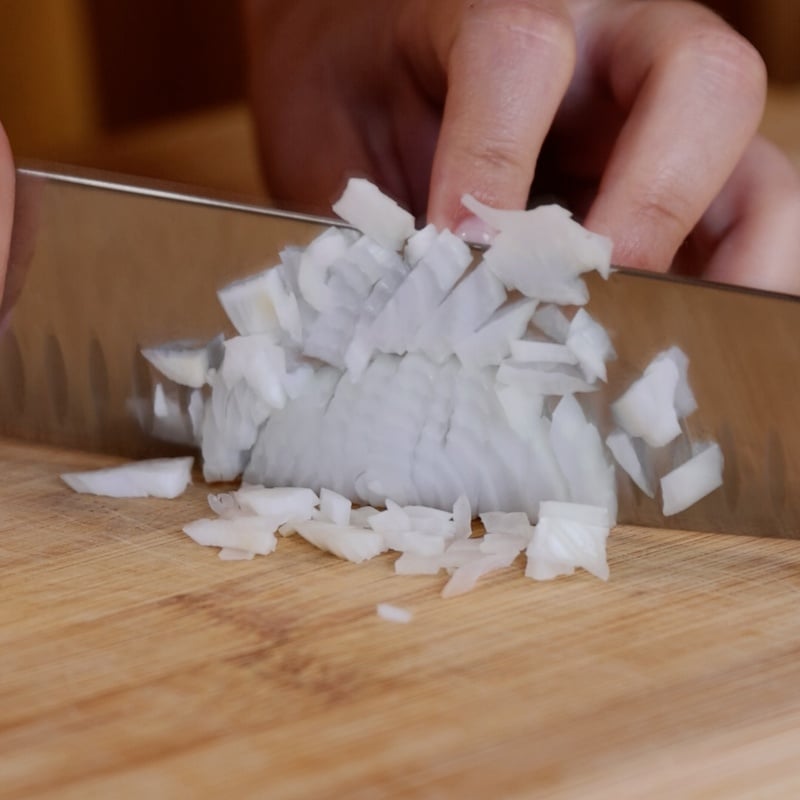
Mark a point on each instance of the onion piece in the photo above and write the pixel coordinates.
(527, 350)
(159, 477)
(509, 523)
(346, 542)
(419, 544)
(232, 554)
(685, 402)
(471, 303)
(590, 343)
(692, 480)
(253, 534)
(365, 207)
(392, 613)
(462, 518)
(490, 344)
(542, 379)
(334, 507)
(504, 544)
(542, 251)
(283, 502)
(262, 304)
(581, 456)
(568, 536)
(623, 449)
(414, 564)
(647, 409)
(551, 320)
(316, 260)
(466, 576)
(186, 363)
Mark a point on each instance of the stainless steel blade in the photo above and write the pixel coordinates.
(113, 267)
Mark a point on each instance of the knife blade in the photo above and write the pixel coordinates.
(113, 265)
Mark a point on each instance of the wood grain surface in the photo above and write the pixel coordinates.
(136, 664)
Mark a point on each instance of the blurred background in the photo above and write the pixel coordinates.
(157, 87)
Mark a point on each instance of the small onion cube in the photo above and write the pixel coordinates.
(184, 363)
(467, 575)
(346, 542)
(504, 543)
(526, 350)
(392, 613)
(420, 544)
(623, 449)
(232, 554)
(253, 534)
(647, 409)
(567, 538)
(491, 343)
(160, 477)
(588, 341)
(287, 502)
(511, 523)
(365, 207)
(462, 518)
(414, 564)
(692, 480)
(359, 517)
(335, 507)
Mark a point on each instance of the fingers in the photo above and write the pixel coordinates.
(507, 65)
(6, 212)
(753, 227)
(696, 92)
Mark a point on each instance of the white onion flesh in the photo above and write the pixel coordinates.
(364, 206)
(623, 448)
(647, 409)
(693, 480)
(186, 364)
(384, 368)
(392, 613)
(568, 536)
(251, 534)
(165, 478)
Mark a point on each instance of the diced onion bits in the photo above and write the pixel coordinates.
(160, 477)
(408, 383)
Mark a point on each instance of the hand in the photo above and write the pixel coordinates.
(639, 116)
(6, 217)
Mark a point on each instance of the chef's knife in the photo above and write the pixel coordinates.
(113, 265)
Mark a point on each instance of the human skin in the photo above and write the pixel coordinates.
(6, 210)
(641, 117)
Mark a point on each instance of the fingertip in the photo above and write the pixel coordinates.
(7, 186)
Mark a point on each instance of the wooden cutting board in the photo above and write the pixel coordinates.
(136, 664)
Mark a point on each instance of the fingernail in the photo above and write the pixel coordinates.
(475, 231)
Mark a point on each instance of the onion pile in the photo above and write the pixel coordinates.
(383, 366)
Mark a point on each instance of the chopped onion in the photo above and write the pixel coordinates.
(466, 576)
(186, 363)
(363, 205)
(568, 536)
(283, 502)
(623, 448)
(394, 613)
(252, 534)
(384, 367)
(693, 480)
(346, 542)
(160, 477)
(334, 507)
(647, 409)
(232, 554)
(590, 344)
